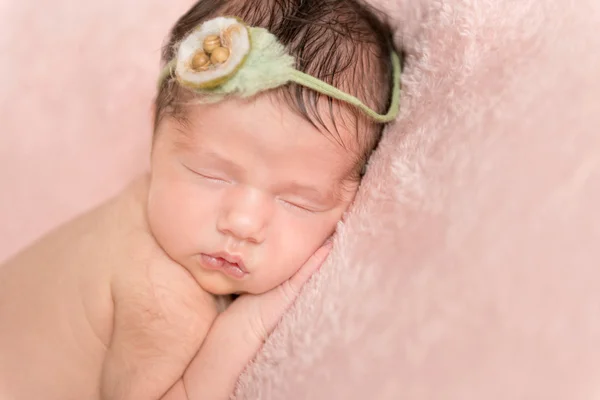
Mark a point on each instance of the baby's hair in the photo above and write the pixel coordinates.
(342, 42)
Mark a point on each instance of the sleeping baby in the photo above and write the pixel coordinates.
(266, 114)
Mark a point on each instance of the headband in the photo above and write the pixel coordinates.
(224, 57)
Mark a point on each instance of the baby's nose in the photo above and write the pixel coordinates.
(245, 216)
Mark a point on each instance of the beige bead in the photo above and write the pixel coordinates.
(211, 42)
(200, 62)
(219, 55)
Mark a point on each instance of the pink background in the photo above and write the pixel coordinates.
(76, 86)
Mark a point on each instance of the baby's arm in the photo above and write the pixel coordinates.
(160, 320)
(237, 335)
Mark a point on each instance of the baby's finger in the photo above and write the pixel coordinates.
(275, 302)
(308, 269)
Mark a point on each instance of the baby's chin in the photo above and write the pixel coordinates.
(219, 285)
(225, 291)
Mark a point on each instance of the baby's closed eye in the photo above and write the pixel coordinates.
(305, 205)
(211, 175)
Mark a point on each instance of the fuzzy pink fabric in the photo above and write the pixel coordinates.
(469, 266)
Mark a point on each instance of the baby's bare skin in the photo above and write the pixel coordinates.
(59, 298)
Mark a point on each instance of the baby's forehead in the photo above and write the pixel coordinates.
(334, 121)
(264, 132)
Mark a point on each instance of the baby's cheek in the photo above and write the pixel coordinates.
(301, 242)
(171, 218)
(161, 225)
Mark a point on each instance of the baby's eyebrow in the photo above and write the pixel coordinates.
(185, 142)
(221, 161)
(308, 191)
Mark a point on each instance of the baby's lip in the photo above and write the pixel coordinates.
(232, 259)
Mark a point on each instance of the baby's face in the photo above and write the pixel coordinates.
(245, 192)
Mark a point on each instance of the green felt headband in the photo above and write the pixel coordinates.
(224, 57)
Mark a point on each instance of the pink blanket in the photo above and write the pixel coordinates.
(469, 268)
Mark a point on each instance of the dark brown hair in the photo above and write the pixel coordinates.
(342, 42)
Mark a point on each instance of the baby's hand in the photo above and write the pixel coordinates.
(257, 315)
(239, 332)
